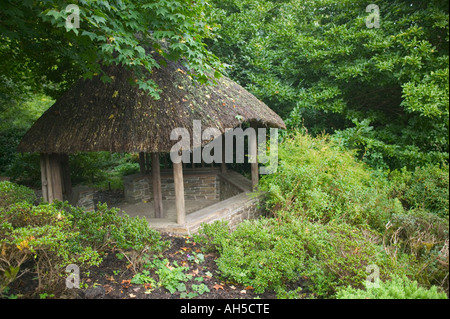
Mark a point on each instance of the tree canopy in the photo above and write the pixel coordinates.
(383, 90)
(39, 51)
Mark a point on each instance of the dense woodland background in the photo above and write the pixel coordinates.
(364, 160)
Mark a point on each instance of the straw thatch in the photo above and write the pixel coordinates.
(118, 117)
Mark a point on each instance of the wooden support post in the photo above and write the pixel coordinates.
(223, 165)
(55, 171)
(65, 173)
(44, 182)
(179, 193)
(253, 149)
(48, 172)
(147, 162)
(142, 163)
(157, 190)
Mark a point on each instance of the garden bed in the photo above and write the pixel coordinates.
(113, 278)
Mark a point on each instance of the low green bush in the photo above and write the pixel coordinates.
(425, 188)
(322, 182)
(11, 193)
(44, 234)
(58, 234)
(271, 253)
(105, 228)
(397, 288)
(262, 254)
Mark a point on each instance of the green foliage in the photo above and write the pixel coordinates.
(15, 119)
(35, 34)
(261, 254)
(322, 182)
(200, 289)
(56, 235)
(397, 288)
(424, 237)
(143, 278)
(270, 253)
(318, 65)
(105, 228)
(11, 193)
(44, 234)
(172, 278)
(333, 220)
(426, 188)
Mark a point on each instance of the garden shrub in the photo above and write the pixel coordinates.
(319, 181)
(426, 188)
(11, 193)
(44, 234)
(262, 254)
(105, 228)
(58, 234)
(270, 253)
(400, 287)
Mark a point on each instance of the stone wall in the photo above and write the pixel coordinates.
(83, 196)
(206, 184)
(234, 210)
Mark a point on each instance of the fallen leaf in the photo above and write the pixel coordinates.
(109, 278)
(108, 289)
(198, 250)
(249, 288)
(132, 296)
(233, 287)
(217, 287)
(126, 283)
(147, 286)
(243, 291)
(185, 248)
(194, 272)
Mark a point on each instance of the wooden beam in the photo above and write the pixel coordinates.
(55, 173)
(48, 172)
(157, 190)
(223, 165)
(142, 162)
(65, 173)
(44, 158)
(179, 193)
(253, 149)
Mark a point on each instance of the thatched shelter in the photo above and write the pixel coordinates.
(118, 117)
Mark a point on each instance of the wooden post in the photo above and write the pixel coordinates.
(147, 162)
(44, 159)
(157, 190)
(65, 173)
(55, 172)
(223, 165)
(179, 193)
(253, 149)
(142, 163)
(48, 172)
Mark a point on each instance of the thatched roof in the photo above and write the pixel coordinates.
(118, 117)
